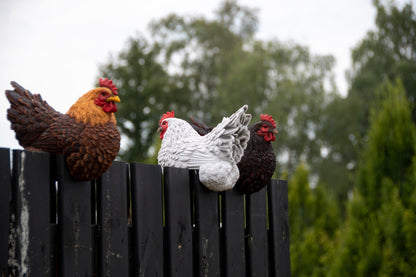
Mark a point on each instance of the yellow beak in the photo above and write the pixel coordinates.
(113, 99)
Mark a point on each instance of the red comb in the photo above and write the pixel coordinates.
(167, 115)
(266, 117)
(108, 84)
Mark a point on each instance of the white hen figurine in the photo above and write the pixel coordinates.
(215, 155)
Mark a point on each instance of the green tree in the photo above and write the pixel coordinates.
(314, 219)
(390, 148)
(389, 52)
(379, 234)
(146, 91)
(300, 86)
(386, 53)
(209, 56)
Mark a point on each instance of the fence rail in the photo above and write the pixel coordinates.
(135, 221)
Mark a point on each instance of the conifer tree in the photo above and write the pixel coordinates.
(314, 219)
(378, 238)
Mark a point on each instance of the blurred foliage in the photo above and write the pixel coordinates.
(386, 53)
(314, 219)
(146, 91)
(391, 145)
(378, 238)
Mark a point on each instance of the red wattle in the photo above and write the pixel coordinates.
(269, 137)
(110, 107)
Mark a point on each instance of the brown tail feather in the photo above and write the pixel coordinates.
(29, 114)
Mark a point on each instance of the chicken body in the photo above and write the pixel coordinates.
(259, 161)
(86, 135)
(215, 155)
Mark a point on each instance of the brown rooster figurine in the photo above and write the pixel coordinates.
(86, 135)
(259, 161)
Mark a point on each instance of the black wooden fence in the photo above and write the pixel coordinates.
(134, 221)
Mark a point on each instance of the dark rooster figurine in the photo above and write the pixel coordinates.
(86, 135)
(259, 161)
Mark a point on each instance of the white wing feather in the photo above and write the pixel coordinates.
(229, 138)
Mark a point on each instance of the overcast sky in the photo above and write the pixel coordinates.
(55, 48)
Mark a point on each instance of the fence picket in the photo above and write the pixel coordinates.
(113, 244)
(30, 207)
(5, 198)
(279, 228)
(75, 246)
(147, 219)
(207, 252)
(178, 223)
(257, 251)
(233, 248)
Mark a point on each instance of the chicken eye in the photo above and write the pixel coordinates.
(264, 128)
(103, 94)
